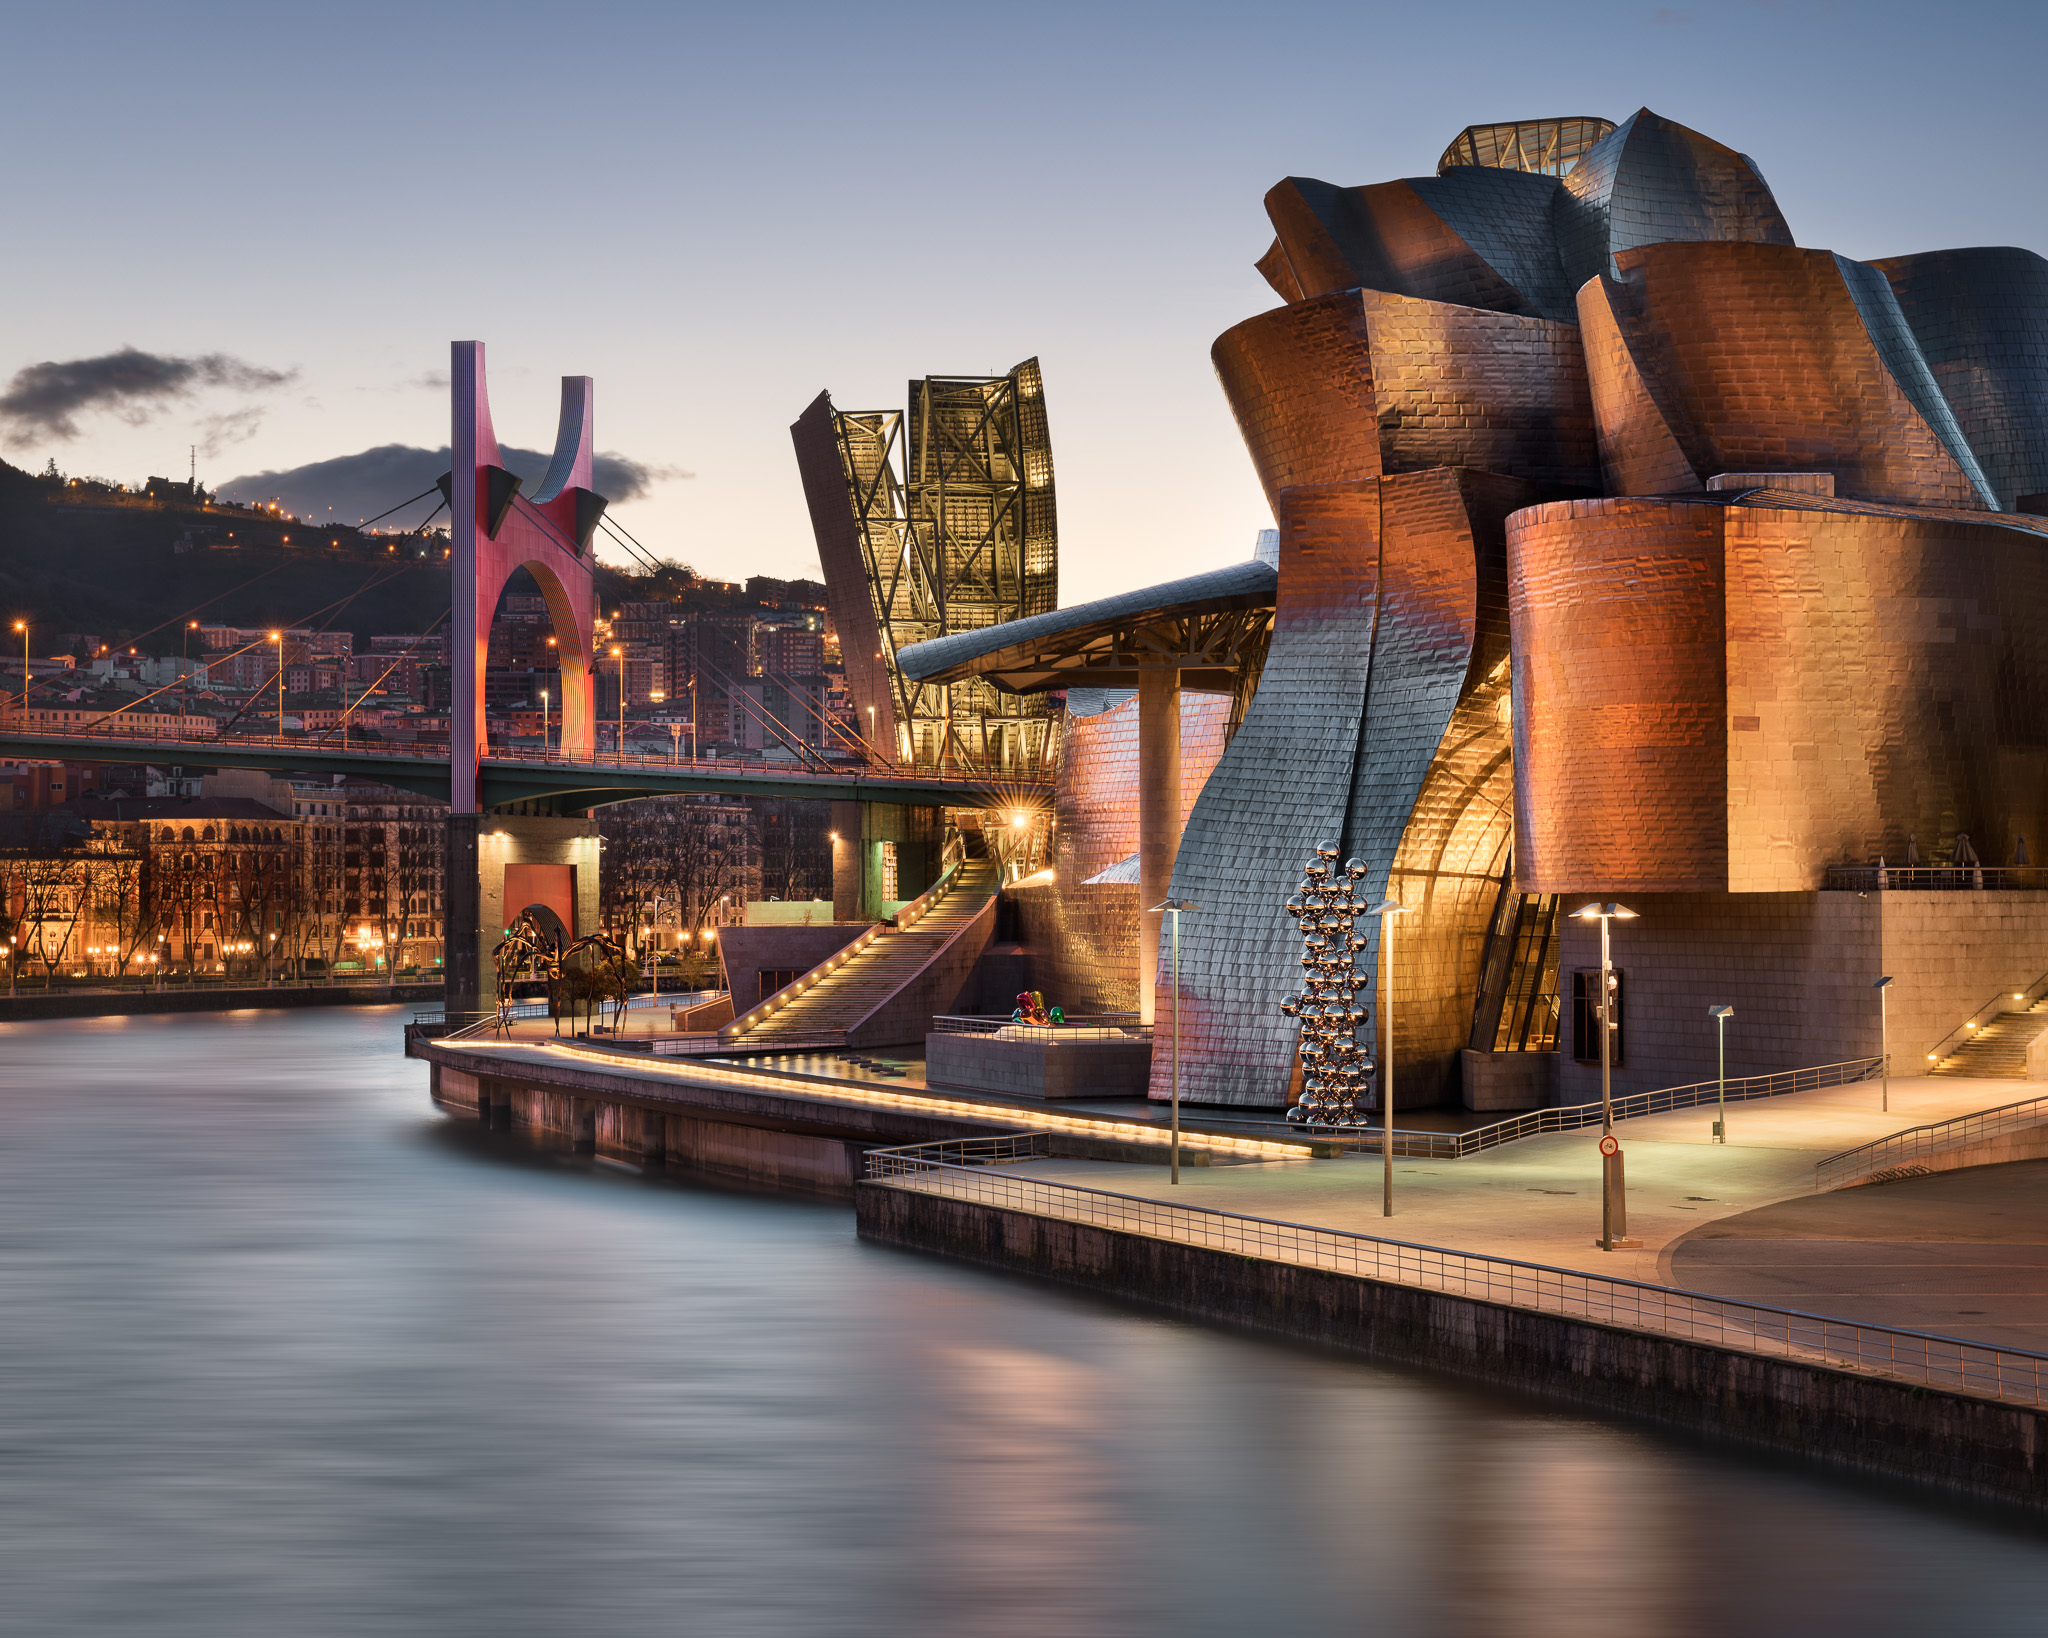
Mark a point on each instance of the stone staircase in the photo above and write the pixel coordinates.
(1998, 1051)
(838, 999)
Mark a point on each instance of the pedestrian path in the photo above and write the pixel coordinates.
(1538, 1200)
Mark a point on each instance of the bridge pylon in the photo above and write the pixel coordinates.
(497, 531)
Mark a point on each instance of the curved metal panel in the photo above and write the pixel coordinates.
(1638, 454)
(1299, 381)
(1653, 181)
(1887, 675)
(1083, 933)
(1475, 238)
(1349, 386)
(1387, 603)
(1760, 360)
(1981, 319)
(1619, 686)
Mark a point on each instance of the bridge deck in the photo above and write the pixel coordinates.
(515, 776)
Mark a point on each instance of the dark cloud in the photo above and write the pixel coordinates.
(350, 488)
(44, 400)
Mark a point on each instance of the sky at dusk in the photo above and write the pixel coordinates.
(291, 211)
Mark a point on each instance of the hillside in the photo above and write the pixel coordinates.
(78, 559)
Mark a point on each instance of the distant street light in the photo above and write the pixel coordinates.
(619, 654)
(1721, 1015)
(1613, 1185)
(22, 627)
(277, 637)
(1173, 907)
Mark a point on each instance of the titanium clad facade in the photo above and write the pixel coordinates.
(1083, 932)
(1651, 181)
(1980, 318)
(1360, 383)
(1391, 615)
(1731, 696)
(1758, 358)
(1625, 548)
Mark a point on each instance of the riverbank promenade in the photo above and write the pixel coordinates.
(1691, 1202)
(1743, 1219)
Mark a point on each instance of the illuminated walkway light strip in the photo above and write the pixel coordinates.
(812, 1092)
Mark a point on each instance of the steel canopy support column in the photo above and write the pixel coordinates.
(1158, 819)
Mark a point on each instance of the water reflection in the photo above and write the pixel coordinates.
(286, 1352)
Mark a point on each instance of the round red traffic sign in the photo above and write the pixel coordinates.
(1610, 1145)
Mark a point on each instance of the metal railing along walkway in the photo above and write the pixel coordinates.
(972, 1171)
(1883, 1154)
(1576, 1117)
(317, 744)
(1948, 878)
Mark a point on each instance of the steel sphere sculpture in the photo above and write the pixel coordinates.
(1338, 1075)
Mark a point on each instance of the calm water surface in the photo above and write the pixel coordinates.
(284, 1351)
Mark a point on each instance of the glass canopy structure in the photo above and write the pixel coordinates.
(1547, 147)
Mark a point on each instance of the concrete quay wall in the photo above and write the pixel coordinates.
(764, 1137)
(812, 1165)
(1962, 1444)
(127, 1003)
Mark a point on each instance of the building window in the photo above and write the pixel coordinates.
(1585, 1026)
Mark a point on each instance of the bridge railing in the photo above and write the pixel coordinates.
(594, 759)
(1923, 1358)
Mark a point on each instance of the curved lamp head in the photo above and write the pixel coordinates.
(1388, 907)
(1720, 1012)
(1604, 912)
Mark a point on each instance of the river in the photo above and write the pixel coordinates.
(285, 1351)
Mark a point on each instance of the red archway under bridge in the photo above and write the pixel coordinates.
(497, 531)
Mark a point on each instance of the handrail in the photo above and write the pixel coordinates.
(1882, 1154)
(1927, 1359)
(987, 909)
(735, 1031)
(913, 912)
(1996, 1006)
(1947, 878)
(594, 760)
(1575, 1117)
(915, 909)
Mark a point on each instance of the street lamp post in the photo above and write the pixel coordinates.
(22, 627)
(1884, 1040)
(1721, 1015)
(1387, 910)
(277, 637)
(544, 725)
(1173, 907)
(1613, 1184)
(619, 654)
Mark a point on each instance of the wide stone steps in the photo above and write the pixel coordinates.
(843, 997)
(1998, 1051)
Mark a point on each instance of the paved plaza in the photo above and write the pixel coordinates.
(1739, 1219)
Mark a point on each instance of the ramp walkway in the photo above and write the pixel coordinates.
(883, 988)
